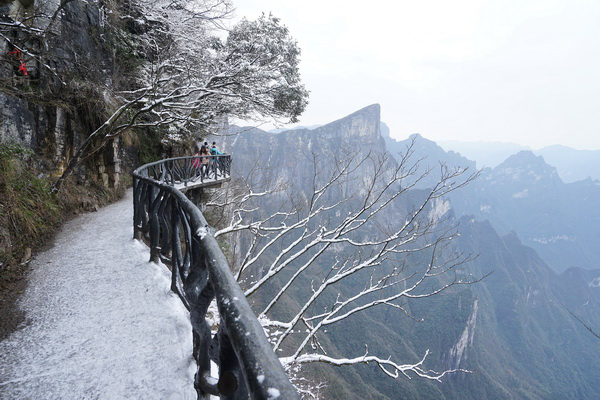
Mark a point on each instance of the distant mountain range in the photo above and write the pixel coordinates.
(514, 330)
(572, 165)
(485, 154)
(561, 221)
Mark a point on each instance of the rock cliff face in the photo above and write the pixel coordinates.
(17, 122)
(511, 329)
(358, 133)
(293, 154)
(59, 61)
(60, 101)
(360, 127)
(458, 353)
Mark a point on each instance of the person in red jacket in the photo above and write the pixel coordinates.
(22, 68)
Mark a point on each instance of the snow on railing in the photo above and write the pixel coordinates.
(178, 235)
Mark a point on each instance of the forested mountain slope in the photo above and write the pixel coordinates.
(513, 330)
(561, 221)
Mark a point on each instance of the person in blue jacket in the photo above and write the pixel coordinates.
(214, 150)
(215, 161)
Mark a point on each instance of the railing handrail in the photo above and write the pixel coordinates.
(165, 217)
(188, 169)
(151, 164)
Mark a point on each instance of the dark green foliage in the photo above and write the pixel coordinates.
(150, 147)
(28, 208)
(27, 199)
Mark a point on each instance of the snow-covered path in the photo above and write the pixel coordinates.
(102, 322)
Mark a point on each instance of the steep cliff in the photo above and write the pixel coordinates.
(511, 330)
(296, 153)
(358, 133)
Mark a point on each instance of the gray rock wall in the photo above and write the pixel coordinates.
(63, 99)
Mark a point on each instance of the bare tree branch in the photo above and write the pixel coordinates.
(331, 242)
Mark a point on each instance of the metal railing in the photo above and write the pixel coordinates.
(178, 235)
(184, 171)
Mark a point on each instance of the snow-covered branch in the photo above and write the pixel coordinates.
(304, 273)
(181, 69)
(389, 367)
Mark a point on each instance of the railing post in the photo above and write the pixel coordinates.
(176, 257)
(201, 330)
(231, 380)
(154, 225)
(137, 229)
(166, 226)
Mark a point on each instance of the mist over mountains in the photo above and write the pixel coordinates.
(535, 235)
(561, 221)
(572, 165)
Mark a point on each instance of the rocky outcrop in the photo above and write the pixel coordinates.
(511, 330)
(458, 352)
(293, 156)
(61, 100)
(362, 126)
(18, 124)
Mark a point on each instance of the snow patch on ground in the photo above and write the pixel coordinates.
(102, 322)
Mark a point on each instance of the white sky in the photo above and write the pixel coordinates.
(522, 71)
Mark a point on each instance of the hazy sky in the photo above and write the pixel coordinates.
(523, 71)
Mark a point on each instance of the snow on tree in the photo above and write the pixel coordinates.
(183, 76)
(310, 259)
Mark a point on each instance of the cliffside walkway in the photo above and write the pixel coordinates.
(179, 236)
(102, 322)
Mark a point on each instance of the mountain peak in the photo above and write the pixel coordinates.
(425, 148)
(375, 107)
(526, 167)
(525, 155)
(371, 113)
(422, 141)
(363, 123)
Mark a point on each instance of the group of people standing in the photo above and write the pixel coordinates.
(203, 161)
